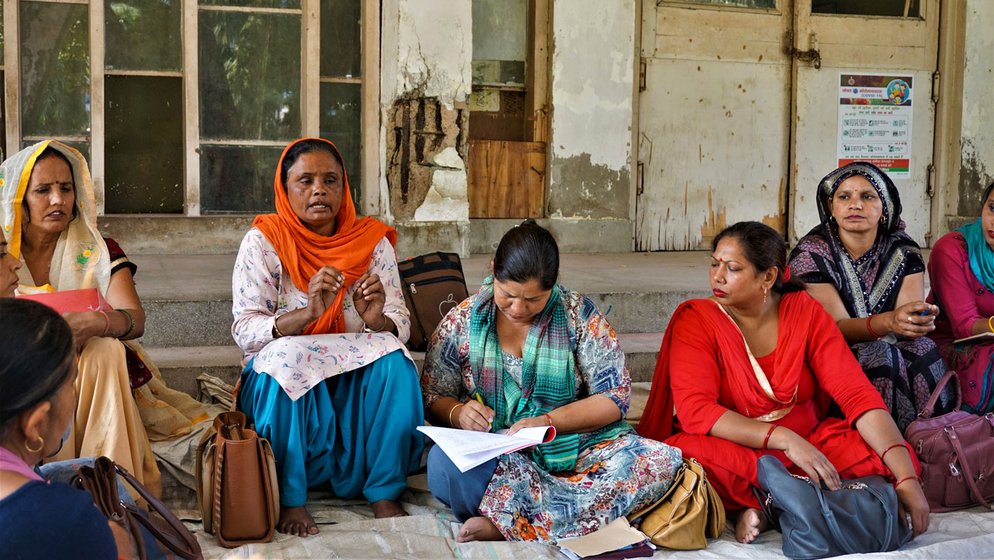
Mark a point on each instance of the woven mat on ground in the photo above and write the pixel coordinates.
(348, 529)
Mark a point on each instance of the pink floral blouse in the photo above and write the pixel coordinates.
(261, 291)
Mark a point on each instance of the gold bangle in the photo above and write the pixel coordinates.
(451, 410)
(131, 322)
(276, 327)
(989, 325)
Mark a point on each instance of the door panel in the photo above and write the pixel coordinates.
(713, 123)
(849, 44)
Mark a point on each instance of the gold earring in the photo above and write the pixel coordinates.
(765, 294)
(41, 445)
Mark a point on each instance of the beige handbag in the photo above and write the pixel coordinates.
(236, 483)
(687, 515)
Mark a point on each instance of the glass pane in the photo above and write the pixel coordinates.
(895, 8)
(341, 122)
(341, 38)
(249, 76)
(764, 4)
(55, 69)
(289, 4)
(237, 178)
(143, 34)
(144, 172)
(500, 30)
(1, 33)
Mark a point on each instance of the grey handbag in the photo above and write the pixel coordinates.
(860, 517)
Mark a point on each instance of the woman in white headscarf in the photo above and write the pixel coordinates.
(48, 215)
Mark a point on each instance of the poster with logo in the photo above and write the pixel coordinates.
(875, 121)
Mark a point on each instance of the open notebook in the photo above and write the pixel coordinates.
(468, 449)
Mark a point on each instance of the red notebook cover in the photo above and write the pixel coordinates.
(88, 299)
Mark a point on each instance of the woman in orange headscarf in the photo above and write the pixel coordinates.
(320, 316)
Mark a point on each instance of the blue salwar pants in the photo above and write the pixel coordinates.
(355, 431)
(461, 491)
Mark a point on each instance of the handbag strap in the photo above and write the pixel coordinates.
(929, 408)
(965, 464)
(187, 547)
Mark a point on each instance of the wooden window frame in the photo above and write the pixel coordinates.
(310, 21)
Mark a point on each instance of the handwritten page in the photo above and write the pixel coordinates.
(468, 449)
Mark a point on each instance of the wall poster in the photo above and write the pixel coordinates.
(875, 121)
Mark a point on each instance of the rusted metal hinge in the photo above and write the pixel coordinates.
(640, 179)
(642, 68)
(935, 86)
(930, 180)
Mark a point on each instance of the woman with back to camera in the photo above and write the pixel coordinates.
(749, 371)
(40, 518)
(527, 352)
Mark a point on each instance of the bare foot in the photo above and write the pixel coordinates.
(479, 529)
(296, 521)
(750, 524)
(387, 508)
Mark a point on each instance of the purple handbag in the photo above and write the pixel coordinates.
(956, 451)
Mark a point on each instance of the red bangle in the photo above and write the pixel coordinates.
(547, 417)
(869, 328)
(905, 479)
(766, 440)
(896, 445)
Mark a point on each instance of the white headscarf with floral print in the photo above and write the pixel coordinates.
(81, 259)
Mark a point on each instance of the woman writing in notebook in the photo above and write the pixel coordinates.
(526, 352)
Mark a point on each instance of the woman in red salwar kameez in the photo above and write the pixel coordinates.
(750, 371)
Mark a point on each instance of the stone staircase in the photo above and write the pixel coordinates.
(188, 302)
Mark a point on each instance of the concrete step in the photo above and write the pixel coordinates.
(180, 365)
(188, 297)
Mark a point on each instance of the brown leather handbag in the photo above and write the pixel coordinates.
(687, 515)
(236, 483)
(157, 532)
(956, 451)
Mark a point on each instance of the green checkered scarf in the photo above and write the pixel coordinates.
(548, 349)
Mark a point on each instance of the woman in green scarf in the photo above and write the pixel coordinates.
(526, 352)
(961, 269)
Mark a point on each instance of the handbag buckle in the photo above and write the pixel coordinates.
(953, 470)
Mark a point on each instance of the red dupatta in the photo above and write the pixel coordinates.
(794, 317)
(302, 252)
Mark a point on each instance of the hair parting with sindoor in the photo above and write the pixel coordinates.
(765, 248)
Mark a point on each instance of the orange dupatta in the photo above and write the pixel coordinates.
(302, 252)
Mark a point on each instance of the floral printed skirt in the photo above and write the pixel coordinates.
(612, 479)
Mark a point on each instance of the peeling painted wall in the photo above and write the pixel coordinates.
(977, 140)
(426, 73)
(592, 79)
